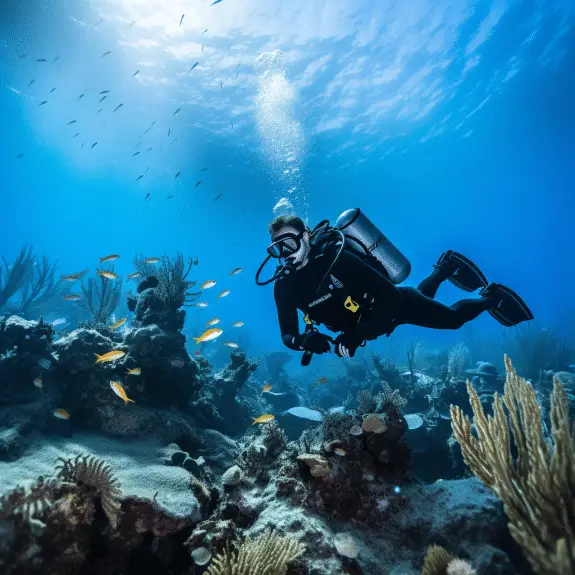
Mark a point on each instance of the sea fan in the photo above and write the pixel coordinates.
(27, 503)
(95, 474)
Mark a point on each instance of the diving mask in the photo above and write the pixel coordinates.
(285, 245)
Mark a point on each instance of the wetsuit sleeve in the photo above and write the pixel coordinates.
(287, 315)
(387, 298)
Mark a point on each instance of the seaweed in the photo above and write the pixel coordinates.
(34, 282)
(101, 296)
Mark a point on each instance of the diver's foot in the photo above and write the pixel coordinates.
(508, 308)
(460, 271)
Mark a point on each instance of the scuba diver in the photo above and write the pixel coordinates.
(345, 277)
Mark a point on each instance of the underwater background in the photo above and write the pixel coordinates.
(145, 129)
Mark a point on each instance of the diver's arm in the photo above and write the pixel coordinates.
(287, 315)
(312, 341)
(387, 298)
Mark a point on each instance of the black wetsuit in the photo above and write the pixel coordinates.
(359, 296)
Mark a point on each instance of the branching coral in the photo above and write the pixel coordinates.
(27, 503)
(12, 277)
(365, 402)
(34, 280)
(95, 474)
(439, 562)
(537, 486)
(268, 554)
(389, 399)
(101, 297)
(173, 284)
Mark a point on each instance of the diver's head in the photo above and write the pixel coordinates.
(290, 240)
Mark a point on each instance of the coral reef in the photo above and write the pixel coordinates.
(269, 553)
(220, 405)
(537, 486)
(162, 292)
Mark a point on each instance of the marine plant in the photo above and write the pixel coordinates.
(438, 561)
(269, 553)
(101, 297)
(537, 485)
(94, 474)
(29, 285)
(172, 273)
(535, 348)
(49, 526)
(12, 277)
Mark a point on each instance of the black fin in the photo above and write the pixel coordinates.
(465, 275)
(511, 309)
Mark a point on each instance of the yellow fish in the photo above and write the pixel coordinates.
(106, 274)
(236, 271)
(38, 382)
(321, 380)
(224, 293)
(118, 323)
(133, 276)
(266, 418)
(72, 297)
(151, 260)
(120, 392)
(110, 258)
(214, 321)
(209, 335)
(339, 451)
(110, 356)
(208, 284)
(231, 344)
(61, 414)
(135, 371)
(201, 304)
(266, 387)
(238, 324)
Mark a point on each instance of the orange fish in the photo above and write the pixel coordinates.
(225, 293)
(61, 414)
(209, 335)
(197, 353)
(151, 260)
(266, 387)
(214, 321)
(110, 258)
(208, 284)
(321, 380)
(133, 276)
(120, 392)
(117, 324)
(135, 371)
(110, 356)
(266, 418)
(339, 451)
(235, 271)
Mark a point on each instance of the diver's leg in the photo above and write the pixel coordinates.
(423, 311)
(458, 269)
(429, 285)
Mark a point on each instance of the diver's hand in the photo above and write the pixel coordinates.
(347, 344)
(316, 342)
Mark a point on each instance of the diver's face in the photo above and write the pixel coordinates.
(298, 258)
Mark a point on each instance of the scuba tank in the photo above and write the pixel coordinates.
(358, 228)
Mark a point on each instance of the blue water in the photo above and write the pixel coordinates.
(451, 124)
